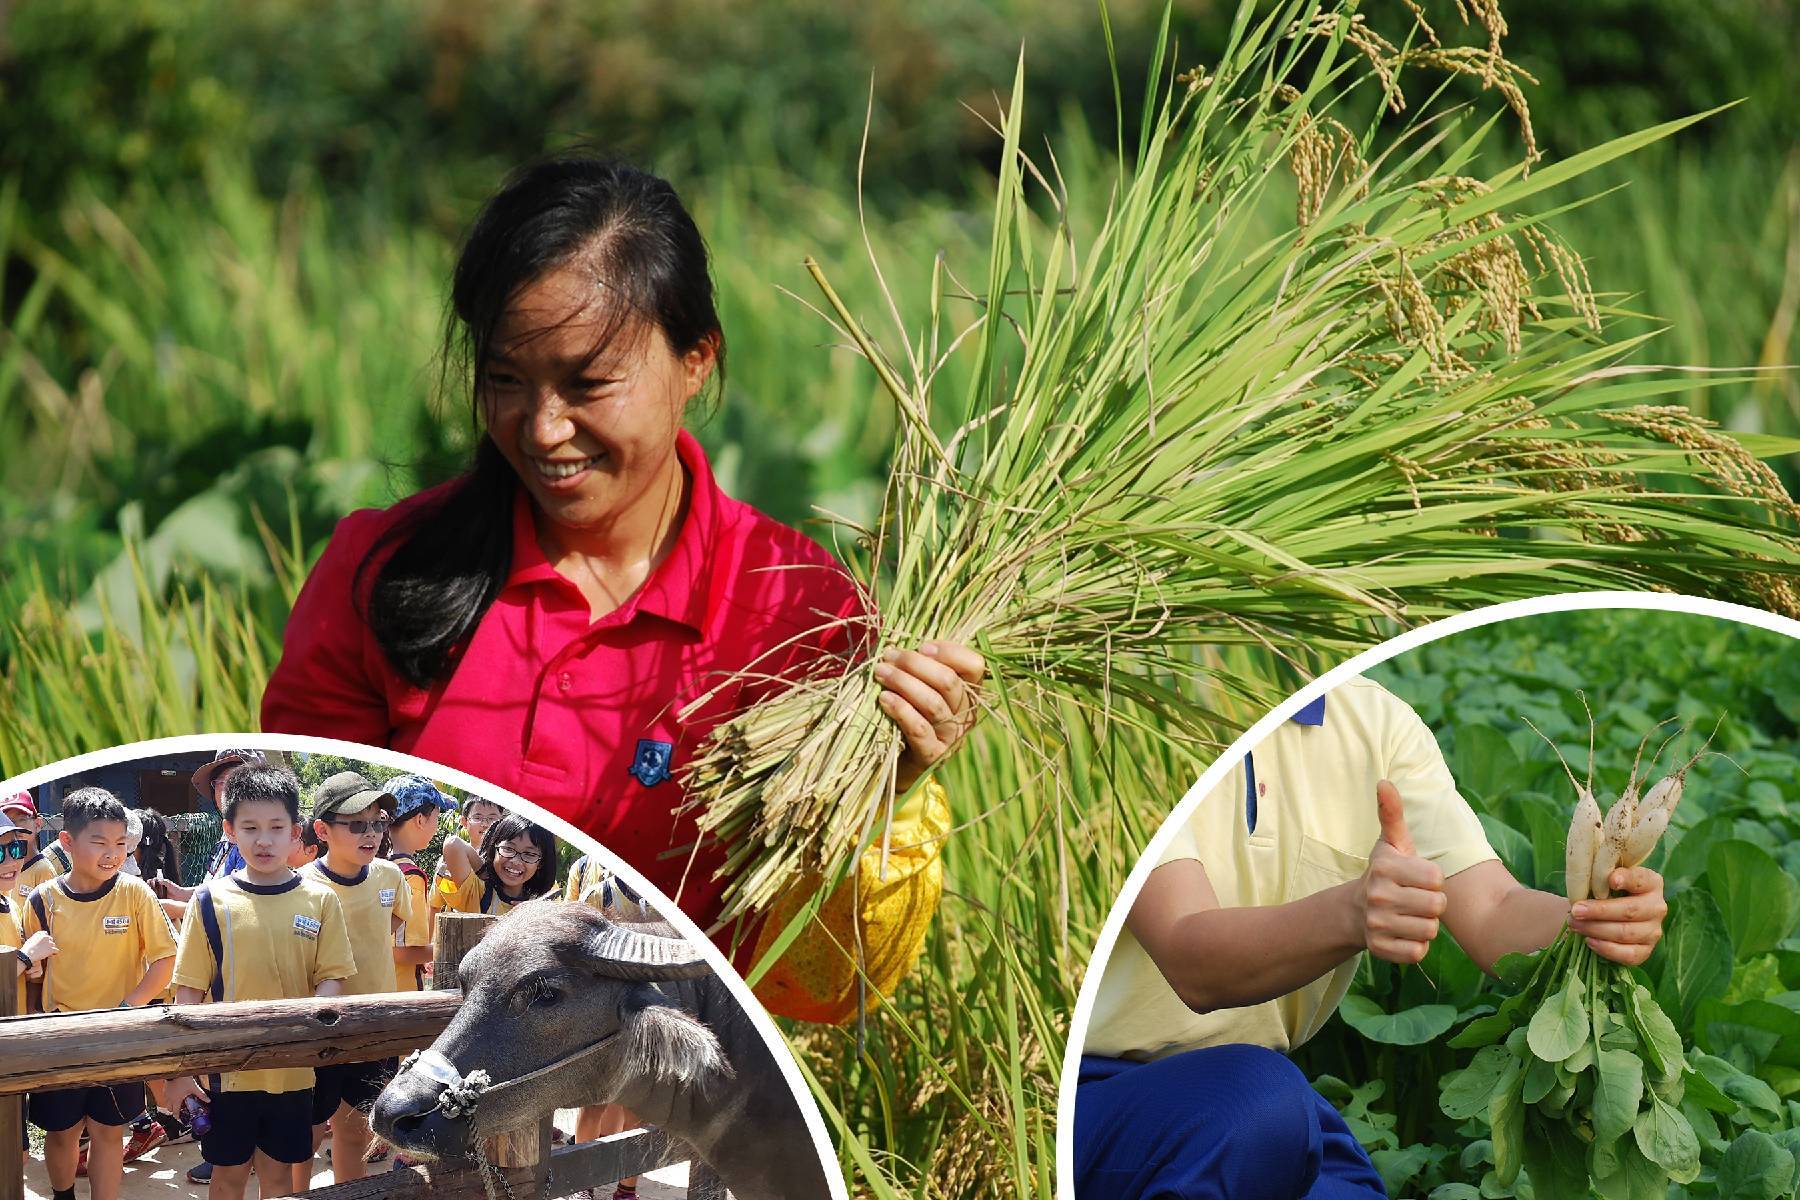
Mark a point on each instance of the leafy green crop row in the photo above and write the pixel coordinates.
(1727, 972)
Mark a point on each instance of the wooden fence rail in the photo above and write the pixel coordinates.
(61, 1050)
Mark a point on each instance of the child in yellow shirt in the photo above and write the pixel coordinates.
(417, 803)
(517, 863)
(461, 855)
(351, 816)
(24, 956)
(262, 932)
(38, 867)
(107, 926)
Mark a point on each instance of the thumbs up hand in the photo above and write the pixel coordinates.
(1402, 895)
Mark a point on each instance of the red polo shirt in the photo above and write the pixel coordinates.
(580, 716)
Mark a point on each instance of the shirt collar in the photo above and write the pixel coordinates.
(1311, 714)
(678, 589)
(341, 880)
(268, 889)
(99, 893)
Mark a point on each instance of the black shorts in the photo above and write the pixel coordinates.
(277, 1123)
(355, 1084)
(56, 1111)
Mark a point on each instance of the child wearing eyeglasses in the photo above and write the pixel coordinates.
(518, 863)
(351, 816)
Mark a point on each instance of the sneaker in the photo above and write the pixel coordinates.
(144, 1138)
(200, 1172)
(177, 1130)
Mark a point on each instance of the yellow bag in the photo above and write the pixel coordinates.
(815, 979)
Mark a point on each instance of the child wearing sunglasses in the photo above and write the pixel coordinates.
(351, 816)
(37, 867)
(26, 954)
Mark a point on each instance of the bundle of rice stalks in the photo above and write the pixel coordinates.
(1186, 431)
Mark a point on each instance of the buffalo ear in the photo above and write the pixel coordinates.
(665, 1044)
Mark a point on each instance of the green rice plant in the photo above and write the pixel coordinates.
(1180, 433)
(152, 664)
(949, 1088)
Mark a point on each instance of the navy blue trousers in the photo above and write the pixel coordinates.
(1221, 1123)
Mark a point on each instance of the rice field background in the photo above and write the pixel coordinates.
(223, 285)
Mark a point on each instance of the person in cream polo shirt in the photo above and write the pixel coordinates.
(1341, 832)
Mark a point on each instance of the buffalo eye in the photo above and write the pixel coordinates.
(543, 993)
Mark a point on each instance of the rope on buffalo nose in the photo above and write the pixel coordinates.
(460, 1093)
(457, 1101)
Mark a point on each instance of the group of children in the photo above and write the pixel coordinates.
(331, 904)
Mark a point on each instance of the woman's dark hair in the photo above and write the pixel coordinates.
(505, 830)
(156, 852)
(448, 561)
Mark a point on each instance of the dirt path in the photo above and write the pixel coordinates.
(162, 1175)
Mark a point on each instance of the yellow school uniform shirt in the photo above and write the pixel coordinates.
(371, 899)
(604, 892)
(104, 940)
(12, 937)
(443, 887)
(38, 870)
(475, 896)
(276, 942)
(410, 977)
(582, 876)
(1315, 825)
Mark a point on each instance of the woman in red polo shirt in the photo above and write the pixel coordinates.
(546, 620)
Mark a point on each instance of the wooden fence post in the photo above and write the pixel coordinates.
(454, 936)
(12, 1108)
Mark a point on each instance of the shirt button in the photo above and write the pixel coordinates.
(563, 681)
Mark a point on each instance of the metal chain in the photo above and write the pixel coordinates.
(492, 1176)
(457, 1101)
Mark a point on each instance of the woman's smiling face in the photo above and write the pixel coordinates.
(588, 434)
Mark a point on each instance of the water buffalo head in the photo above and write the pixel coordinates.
(561, 1008)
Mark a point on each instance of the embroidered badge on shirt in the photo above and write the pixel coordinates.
(306, 926)
(650, 766)
(387, 897)
(116, 924)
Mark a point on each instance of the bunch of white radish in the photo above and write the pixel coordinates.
(1580, 1077)
(1628, 832)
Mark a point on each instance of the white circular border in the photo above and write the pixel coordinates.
(666, 908)
(1410, 640)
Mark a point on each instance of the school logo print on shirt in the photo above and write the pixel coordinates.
(116, 924)
(386, 897)
(306, 927)
(650, 766)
